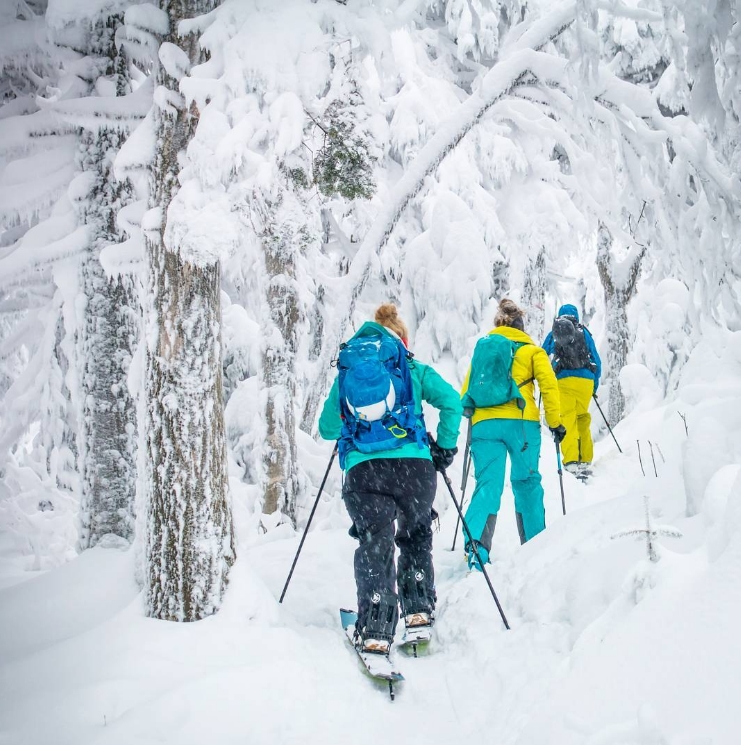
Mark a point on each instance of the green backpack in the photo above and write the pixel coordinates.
(490, 382)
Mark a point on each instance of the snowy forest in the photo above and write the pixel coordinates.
(200, 200)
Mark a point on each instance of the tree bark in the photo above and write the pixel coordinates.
(190, 541)
(108, 335)
(533, 296)
(617, 296)
(282, 239)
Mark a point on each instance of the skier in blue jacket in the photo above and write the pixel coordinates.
(578, 369)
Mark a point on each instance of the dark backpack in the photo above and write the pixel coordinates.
(490, 382)
(570, 346)
(377, 402)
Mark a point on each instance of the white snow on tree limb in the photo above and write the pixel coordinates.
(137, 153)
(62, 13)
(128, 257)
(201, 226)
(168, 100)
(29, 186)
(147, 17)
(26, 258)
(117, 112)
(129, 218)
(174, 60)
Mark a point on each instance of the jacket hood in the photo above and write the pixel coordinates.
(370, 328)
(568, 310)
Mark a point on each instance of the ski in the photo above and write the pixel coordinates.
(378, 666)
(584, 474)
(416, 639)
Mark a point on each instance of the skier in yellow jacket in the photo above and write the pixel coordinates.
(511, 428)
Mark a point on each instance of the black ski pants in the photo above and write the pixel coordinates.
(377, 493)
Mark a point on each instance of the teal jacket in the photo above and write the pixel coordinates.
(428, 386)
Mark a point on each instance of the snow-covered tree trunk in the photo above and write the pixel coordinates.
(109, 332)
(619, 285)
(533, 296)
(282, 238)
(109, 410)
(190, 542)
(58, 428)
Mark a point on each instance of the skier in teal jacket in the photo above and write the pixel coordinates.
(394, 485)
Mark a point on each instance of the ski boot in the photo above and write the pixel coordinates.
(579, 470)
(473, 559)
(377, 635)
(417, 606)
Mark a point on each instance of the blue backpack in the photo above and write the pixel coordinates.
(377, 403)
(490, 382)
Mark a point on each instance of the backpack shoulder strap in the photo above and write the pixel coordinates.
(519, 345)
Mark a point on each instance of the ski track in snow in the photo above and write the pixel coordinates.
(80, 664)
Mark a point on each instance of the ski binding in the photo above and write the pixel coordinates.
(378, 666)
(416, 636)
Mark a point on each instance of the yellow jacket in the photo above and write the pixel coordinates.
(531, 361)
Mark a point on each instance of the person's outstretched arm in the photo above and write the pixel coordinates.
(330, 423)
(440, 394)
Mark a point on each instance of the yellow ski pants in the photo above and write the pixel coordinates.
(576, 394)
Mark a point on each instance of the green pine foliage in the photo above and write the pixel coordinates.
(343, 166)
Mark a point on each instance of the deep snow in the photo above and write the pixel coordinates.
(605, 647)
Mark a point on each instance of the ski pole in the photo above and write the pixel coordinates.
(306, 530)
(464, 480)
(475, 547)
(594, 396)
(560, 477)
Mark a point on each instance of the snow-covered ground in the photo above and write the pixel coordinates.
(606, 648)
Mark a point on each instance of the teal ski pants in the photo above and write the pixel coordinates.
(491, 441)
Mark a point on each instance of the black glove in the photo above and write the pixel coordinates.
(558, 433)
(442, 458)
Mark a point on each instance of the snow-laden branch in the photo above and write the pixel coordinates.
(534, 35)
(519, 64)
(124, 258)
(31, 185)
(95, 112)
(619, 9)
(29, 133)
(24, 260)
(27, 329)
(638, 106)
(18, 42)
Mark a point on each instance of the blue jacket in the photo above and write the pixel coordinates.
(550, 347)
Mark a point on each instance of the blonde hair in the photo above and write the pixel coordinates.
(509, 314)
(388, 316)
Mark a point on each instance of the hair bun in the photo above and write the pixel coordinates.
(386, 312)
(509, 314)
(388, 316)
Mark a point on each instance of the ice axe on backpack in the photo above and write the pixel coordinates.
(594, 396)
